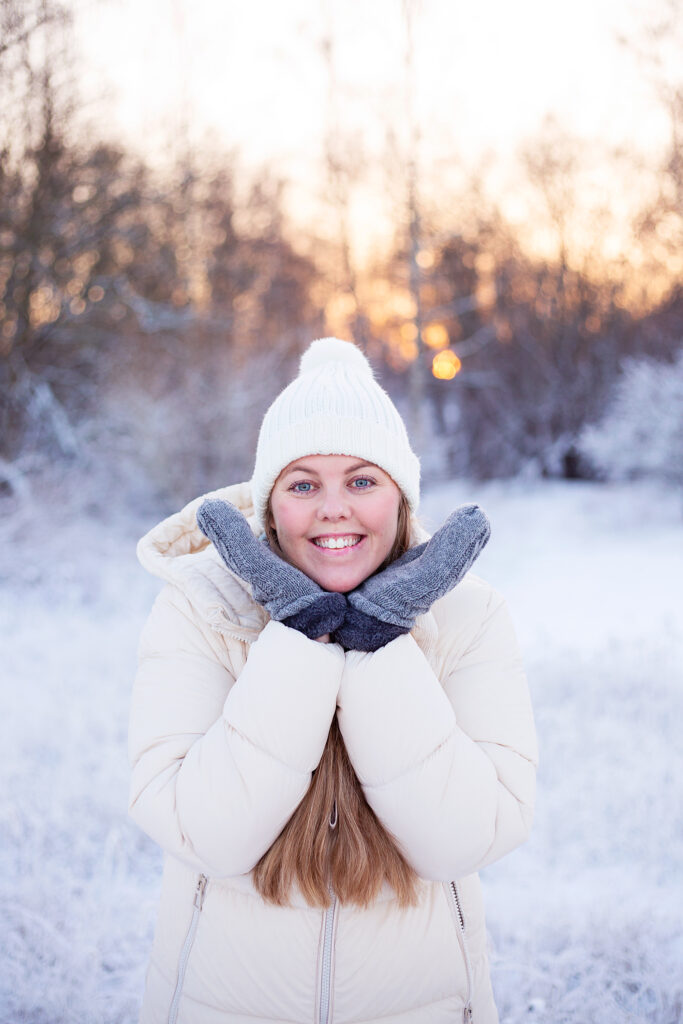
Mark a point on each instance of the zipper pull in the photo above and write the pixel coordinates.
(467, 1014)
(334, 817)
(199, 891)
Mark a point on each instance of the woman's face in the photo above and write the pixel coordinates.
(336, 518)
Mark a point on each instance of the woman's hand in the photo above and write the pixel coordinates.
(285, 592)
(386, 605)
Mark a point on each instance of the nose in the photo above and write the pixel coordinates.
(333, 505)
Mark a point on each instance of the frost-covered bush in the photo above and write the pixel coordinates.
(641, 433)
(153, 448)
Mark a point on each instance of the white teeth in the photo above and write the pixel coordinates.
(337, 542)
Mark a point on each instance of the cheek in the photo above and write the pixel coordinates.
(390, 537)
(288, 521)
(387, 522)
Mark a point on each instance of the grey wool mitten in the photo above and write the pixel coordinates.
(286, 593)
(386, 605)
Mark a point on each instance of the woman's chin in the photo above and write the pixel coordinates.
(340, 586)
(339, 580)
(337, 571)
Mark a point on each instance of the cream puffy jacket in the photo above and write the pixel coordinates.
(229, 718)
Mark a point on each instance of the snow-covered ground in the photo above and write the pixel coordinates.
(585, 920)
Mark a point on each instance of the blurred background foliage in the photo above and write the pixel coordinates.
(148, 316)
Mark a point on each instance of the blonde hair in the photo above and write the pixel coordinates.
(334, 837)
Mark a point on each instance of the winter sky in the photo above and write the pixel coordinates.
(252, 76)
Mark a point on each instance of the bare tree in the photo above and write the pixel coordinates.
(417, 370)
(21, 20)
(658, 225)
(344, 166)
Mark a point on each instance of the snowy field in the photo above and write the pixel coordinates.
(585, 920)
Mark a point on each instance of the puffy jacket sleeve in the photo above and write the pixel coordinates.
(447, 764)
(221, 761)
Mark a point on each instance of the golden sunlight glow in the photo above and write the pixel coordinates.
(435, 335)
(44, 306)
(445, 365)
(339, 310)
(425, 259)
(403, 305)
(408, 331)
(341, 304)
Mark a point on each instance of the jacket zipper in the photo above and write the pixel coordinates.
(454, 897)
(326, 966)
(198, 902)
(328, 932)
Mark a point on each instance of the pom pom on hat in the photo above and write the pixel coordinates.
(333, 407)
(327, 350)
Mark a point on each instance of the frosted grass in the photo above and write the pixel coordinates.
(584, 921)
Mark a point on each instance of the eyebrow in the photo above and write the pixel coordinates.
(307, 469)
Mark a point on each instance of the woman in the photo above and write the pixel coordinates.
(330, 732)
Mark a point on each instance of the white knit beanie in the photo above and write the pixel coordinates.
(334, 407)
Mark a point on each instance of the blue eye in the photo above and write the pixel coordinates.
(302, 487)
(363, 483)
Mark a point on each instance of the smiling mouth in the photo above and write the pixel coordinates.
(335, 543)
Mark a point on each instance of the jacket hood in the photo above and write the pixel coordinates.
(177, 552)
